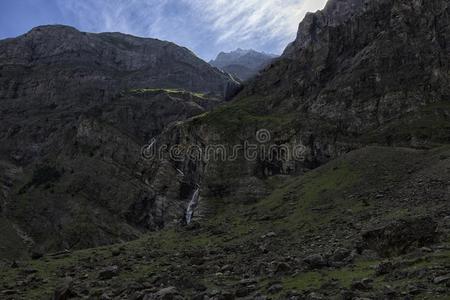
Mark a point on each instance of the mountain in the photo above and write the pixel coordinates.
(75, 110)
(243, 64)
(361, 211)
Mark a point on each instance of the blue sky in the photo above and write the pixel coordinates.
(204, 26)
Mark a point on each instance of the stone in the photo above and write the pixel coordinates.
(273, 289)
(340, 254)
(64, 291)
(441, 279)
(269, 235)
(243, 292)
(226, 268)
(315, 261)
(115, 252)
(168, 293)
(282, 268)
(315, 296)
(398, 237)
(108, 272)
(384, 268)
(362, 285)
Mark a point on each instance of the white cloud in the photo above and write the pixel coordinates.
(214, 24)
(243, 20)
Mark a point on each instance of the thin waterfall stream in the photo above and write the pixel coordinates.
(192, 206)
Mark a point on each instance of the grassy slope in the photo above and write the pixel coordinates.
(315, 213)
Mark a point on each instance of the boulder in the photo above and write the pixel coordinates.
(399, 237)
(64, 291)
(315, 261)
(108, 273)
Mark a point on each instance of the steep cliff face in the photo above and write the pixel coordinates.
(340, 220)
(367, 69)
(360, 73)
(75, 110)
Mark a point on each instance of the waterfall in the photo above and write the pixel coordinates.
(192, 206)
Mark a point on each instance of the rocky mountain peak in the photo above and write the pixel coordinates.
(335, 12)
(242, 63)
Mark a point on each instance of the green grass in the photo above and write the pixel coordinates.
(313, 280)
(292, 208)
(168, 91)
(231, 119)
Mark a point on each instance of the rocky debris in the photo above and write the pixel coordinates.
(275, 288)
(441, 279)
(315, 261)
(340, 257)
(168, 293)
(116, 252)
(384, 268)
(362, 285)
(37, 254)
(269, 235)
(401, 236)
(246, 287)
(64, 291)
(108, 273)
(315, 296)
(370, 78)
(282, 268)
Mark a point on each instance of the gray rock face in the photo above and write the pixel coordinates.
(243, 64)
(361, 66)
(335, 13)
(75, 110)
(360, 72)
(108, 61)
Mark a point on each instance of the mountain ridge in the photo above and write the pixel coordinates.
(76, 109)
(243, 64)
(362, 214)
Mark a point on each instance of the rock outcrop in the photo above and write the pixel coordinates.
(75, 110)
(359, 73)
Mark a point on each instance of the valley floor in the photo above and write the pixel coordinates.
(373, 224)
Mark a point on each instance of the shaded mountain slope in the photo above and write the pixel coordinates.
(378, 75)
(75, 110)
(344, 220)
